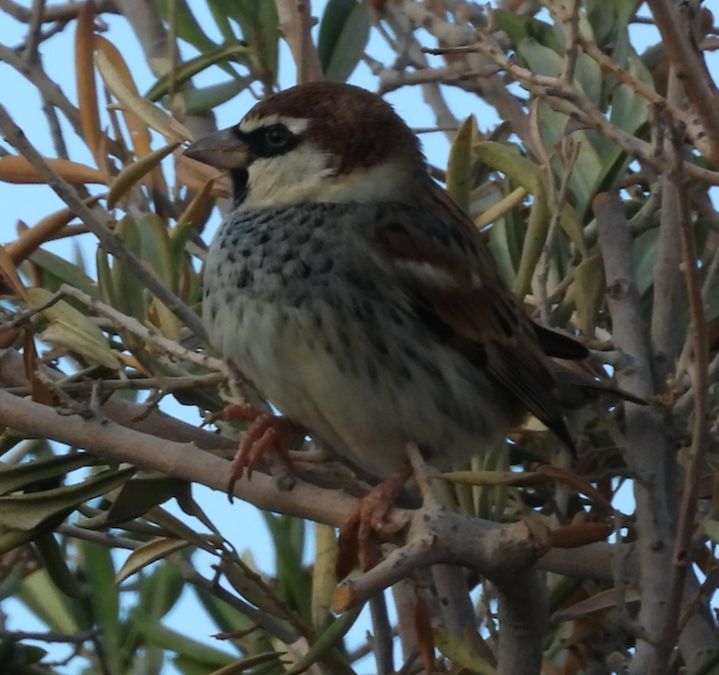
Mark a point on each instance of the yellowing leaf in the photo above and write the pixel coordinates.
(136, 171)
(153, 116)
(17, 169)
(148, 553)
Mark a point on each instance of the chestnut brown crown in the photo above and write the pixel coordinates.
(321, 141)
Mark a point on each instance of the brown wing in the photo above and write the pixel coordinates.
(448, 274)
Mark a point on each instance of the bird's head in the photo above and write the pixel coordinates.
(321, 142)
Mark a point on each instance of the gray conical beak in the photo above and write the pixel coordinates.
(223, 150)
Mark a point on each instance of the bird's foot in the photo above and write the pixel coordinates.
(265, 432)
(368, 518)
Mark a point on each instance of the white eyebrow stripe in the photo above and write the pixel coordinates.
(296, 125)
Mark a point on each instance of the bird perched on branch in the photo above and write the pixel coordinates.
(357, 297)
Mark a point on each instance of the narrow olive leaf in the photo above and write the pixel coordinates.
(520, 27)
(18, 170)
(492, 478)
(187, 503)
(459, 165)
(157, 248)
(135, 172)
(39, 390)
(85, 77)
(600, 602)
(138, 495)
(161, 636)
(490, 215)
(104, 599)
(252, 588)
(531, 178)
(63, 272)
(182, 73)
(458, 649)
(44, 230)
(196, 208)
(13, 478)
(581, 485)
(221, 19)
(506, 158)
(55, 560)
(180, 530)
(9, 273)
(150, 114)
(346, 32)
(148, 553)
(71, 329)
(12, 539)
(589, 286)
(571, 223)
(200, 100)
(160, 590)
(185, 25)
(37, 591)
(266, 37)
(324, 579)
(22, 512)
(250, 662)
(327, 641)
(335, 16)
(139, 133)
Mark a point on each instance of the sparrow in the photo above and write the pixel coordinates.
(358, 298)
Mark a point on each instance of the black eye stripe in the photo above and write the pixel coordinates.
(269, 141)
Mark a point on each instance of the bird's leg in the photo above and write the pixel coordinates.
(266, 431)
(368, 517)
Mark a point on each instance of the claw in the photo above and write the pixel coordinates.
(368, 518)
(265, 432)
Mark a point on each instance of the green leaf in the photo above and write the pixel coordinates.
(294, 580)
(459, 165)
(259, 24)
(458, 648)
(327, 641)
(138, 495)
(56, 565)
(173, 80)
(13, 478)
(531, 178)
(202, 99)
(186, 26)
(61, 272)
(104, 598)
(250, 662)
(185, 646)
(148, 553)
(588, 292)
(40, 595)
(72, 329)
(23, 512)
(520, 27)
(344, 32)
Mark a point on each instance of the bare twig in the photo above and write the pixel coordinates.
(295, 17)
(52, 13)
(647, 449)
(687, 513)
(110, 241)
(669, 293)
(689, 67)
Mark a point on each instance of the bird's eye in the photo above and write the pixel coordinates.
(277, 137)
